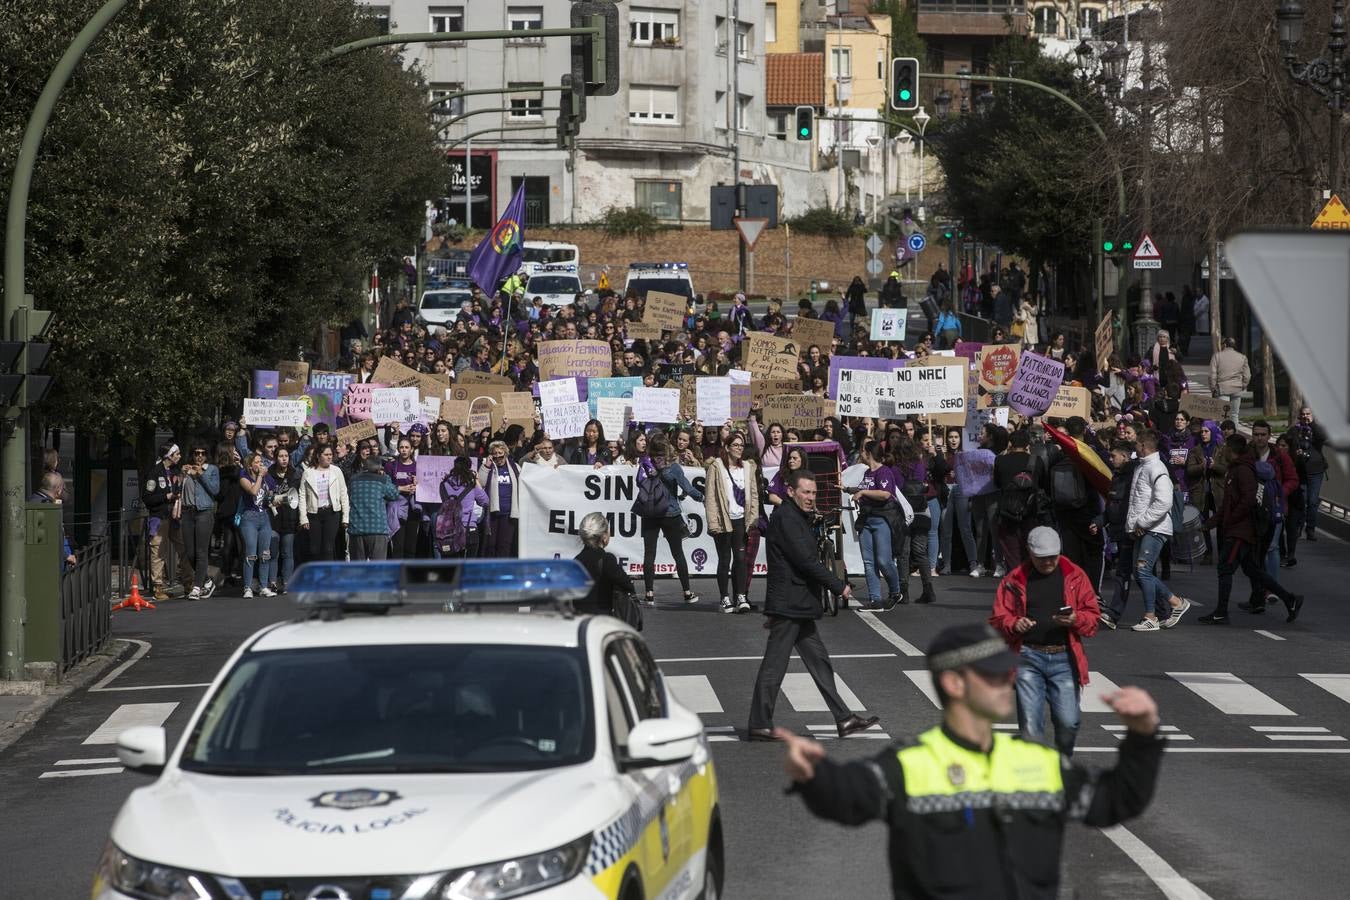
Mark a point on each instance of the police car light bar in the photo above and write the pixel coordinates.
(556, 267)
(446, 583)
(668, 265)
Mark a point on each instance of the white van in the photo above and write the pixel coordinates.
(549, 253)
(555, 285)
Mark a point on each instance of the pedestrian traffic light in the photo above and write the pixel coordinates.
(806, 123)
(904, 83)
(595, 60)
(1117, 248)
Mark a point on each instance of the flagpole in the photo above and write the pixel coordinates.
(506, 331)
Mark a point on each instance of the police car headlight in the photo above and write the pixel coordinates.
(514, 877)
(149, 881)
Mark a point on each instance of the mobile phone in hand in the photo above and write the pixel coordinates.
(1065, 610)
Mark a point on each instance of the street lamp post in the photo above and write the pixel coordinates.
(921, 119)
(1325, 74)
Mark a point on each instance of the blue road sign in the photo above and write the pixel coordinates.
(917, 242)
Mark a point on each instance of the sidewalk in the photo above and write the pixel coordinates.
(23, 703)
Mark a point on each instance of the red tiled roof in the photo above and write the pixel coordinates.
(794, 79)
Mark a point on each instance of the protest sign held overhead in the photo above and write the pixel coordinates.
(938, 389)
(766, 356)
(294, 377)
(348, 435)
(566, 420)
(713, 400)
(584, 359)
(889, 324)
(275, 413)
(1034, 386)
(1070, 401)
(656, 405)
(557, 391)
(330, 381)
(359, 399)
(996, 364)
(799, 411)
(664, 309)
(394, 373)
(613, 413)
(401, 405)
(810, 333)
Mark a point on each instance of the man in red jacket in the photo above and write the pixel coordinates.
(1044, 608)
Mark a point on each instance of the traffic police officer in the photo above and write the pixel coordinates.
(975, 813)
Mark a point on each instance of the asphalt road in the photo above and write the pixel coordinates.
(1241, 811)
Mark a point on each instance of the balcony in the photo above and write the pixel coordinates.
(991, 18)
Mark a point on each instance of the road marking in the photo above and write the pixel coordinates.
(1329, 738)
(1338, 685)
(1090, 700)
(158, 687)
(1230, 694)
(142, 648)
(130, 715)
(1292, 729)
(685, 659)
(1225, 750)
(802, 694)
(103, 760)
(888, 635)
(694, 692)
(1270, 634)
(1168, 880)
(79, 773)
(1173, 732)
(923, 680)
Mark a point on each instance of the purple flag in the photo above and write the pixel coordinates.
(499, 253)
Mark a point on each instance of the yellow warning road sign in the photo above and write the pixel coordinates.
(1333, 217)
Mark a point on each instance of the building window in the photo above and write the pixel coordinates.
(660, 198)
(654, 104)
(1090, 20)
(446, 18)
(653, 26)
(770, 23)
(841, 63)
(1047, 20)
(745, 43)
(455, 107)
(743, 113)
(380, 16)
(778, 125)
(525, 18)
(529, 106)
(881, 65)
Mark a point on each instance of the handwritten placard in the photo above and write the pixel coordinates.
(621, 387)
(294, 376)
(518, 409)
(938, 389)
(330, 381)
(456, 412)
(566, 420)
(642, 331)
(656, 405)
(713, 400)
(359, 398)
(275, 413)
(472, 376)
(860, 392)
(557, 391)
(889, 324)
(665, 310)
(1200, 406)
(1070, 401)
(773, 387)
(1105, 341)
(583, 359)
(394, 373)
(812, 332)
(1034, 386)
(350, 435)
(613, 414)
(803, 412)
(767, 356)
(975, 471)
(401, 405)
(431, 470)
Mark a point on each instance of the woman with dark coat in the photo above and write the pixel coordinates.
(607, 575)
(857, 298)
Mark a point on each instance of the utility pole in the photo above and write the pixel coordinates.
(1145, 327)
(733, 51)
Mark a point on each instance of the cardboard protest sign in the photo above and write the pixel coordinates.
(349, 435)
(931, 390)
(997, 364)
(656, 405)
(559, 390)
(431, 470)
(456, 412)
(642, 331)
(566, 420)
(812, 332)
(613, 414)
(275, 413)
(431, 409)
(740, 400)
(359, 398)
(294, 376)
(432, 386)
(1203, 406)
(584, 359)
(975, 471)
(394, 373)
(468, 392)
(798, 411)
(773, 387)
(518, 409)
(401, 405)
(330, 381)
(767, 356)
(1035, 384)
(1070, 401)
(689, 398)
(484, 412)
(265, 384)
(472, 376)
(621, 387)
(713, 400)
(1105, 341)
(665, 310)
(889, 324)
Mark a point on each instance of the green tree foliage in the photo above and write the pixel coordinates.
(206, 196)
(1017, 174)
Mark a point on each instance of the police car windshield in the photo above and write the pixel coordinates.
(396, 709)
(641, 286)
(548, 255)
(554, 284)
(445, 300)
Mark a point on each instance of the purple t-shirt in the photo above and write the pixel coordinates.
(504, 491)
(401, 473)
(879, 479)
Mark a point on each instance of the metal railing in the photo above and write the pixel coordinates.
(86, 602)
(983, 7)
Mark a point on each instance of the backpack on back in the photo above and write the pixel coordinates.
(1015, 498)
(451, 535)
(1067, 488)
(653, 497)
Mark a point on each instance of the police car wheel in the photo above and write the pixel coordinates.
(712, 869)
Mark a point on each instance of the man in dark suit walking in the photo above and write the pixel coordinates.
(792, 602)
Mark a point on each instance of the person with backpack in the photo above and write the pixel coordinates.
(1076, 507)
(1123, 463)
(1148, 518)
(463, 503)
(1021, 502)
(910, 472)
(369, 493)
(1246, 522)
(657, 506)
(162, 496)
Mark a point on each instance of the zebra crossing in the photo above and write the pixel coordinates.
(1202, 711)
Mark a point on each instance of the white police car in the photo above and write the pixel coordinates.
(670, 277)
(352, 755)
(554, 285)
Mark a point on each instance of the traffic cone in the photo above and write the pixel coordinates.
(135, 600)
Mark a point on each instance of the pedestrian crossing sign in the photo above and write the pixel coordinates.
(1333, 217)
(1147, 255)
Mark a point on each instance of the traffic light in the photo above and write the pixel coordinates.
(25, 384)
(595, 61)
(806, 123)
(1117, 248)
(904, 83)
(571, 113)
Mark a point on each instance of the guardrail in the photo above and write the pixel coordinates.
(86, 602)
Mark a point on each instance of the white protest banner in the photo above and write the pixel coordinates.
(929, 390)
(566, 420)
(431, 410)
(275, 412)
(613, 414)
(713, 400)
(861, 392)
(553, 502)
(401, 405)
(557, 391)
(656, 405)
(1034, 386)
(889, 324)
(739, 376)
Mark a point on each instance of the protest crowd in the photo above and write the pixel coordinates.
(421, 444)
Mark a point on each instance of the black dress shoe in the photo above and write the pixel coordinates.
(1295, 606)
(855, 723)
(762, 734)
